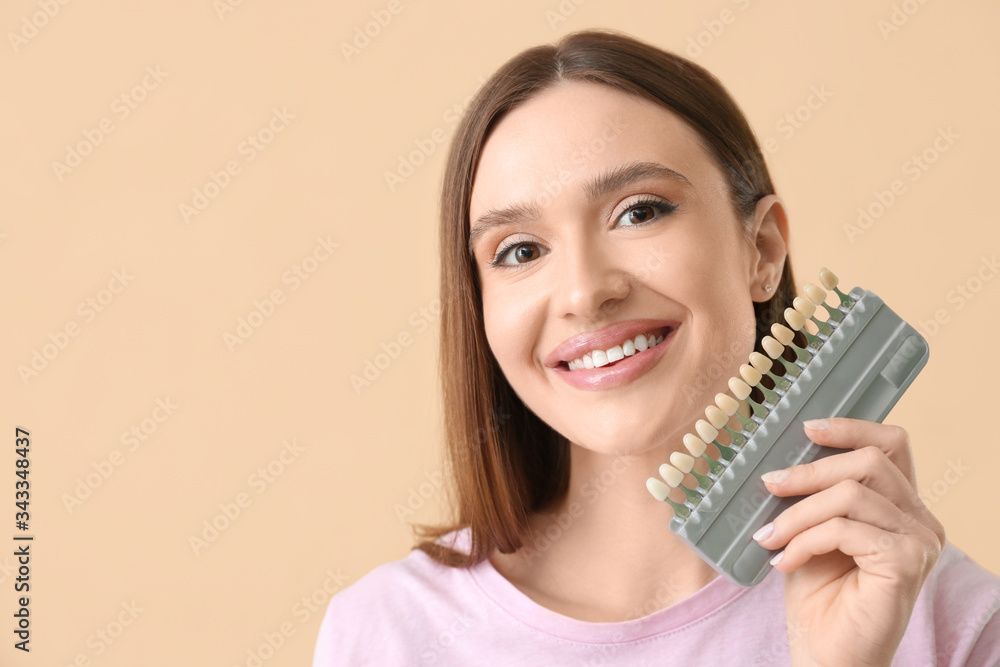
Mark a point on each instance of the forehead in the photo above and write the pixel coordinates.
(564, 135)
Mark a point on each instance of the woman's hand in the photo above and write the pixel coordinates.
(857, 550)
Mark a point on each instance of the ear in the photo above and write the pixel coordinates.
(770, 234)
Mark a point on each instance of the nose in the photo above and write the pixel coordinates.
(592, 282)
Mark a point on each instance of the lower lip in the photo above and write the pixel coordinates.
(624, 371)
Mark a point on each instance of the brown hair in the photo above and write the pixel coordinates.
(503, 462)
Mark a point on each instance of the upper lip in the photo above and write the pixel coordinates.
(609, 336)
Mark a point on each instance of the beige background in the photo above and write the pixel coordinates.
(361, 459)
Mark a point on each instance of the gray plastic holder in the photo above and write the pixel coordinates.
(867, 363)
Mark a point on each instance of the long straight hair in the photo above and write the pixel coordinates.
(503, 463)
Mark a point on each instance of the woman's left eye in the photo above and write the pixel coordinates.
(644, 210)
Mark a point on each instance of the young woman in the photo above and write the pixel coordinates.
(603, 193)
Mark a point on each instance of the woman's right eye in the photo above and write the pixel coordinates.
(520, 252)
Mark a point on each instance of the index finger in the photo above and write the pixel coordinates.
(845, 433)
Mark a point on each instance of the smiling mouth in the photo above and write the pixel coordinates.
(627, 348)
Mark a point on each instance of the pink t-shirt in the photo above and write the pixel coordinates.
(415, 611)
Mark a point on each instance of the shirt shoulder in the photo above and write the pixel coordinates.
(955, 621)
(385, 616)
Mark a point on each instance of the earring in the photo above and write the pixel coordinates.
(767, 287)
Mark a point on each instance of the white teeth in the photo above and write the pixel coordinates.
(598, 358)
(804, 306)
(671, 475)
(727, 403)
(694, 444)
(782, 334)
(707, 432)
(681, 461)
(750, 375)
(772, 347)
(716, 417)
(659, 490)
(759, 361)
(828, 278)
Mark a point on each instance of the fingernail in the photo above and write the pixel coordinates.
(817, 424)
(777, 558)
(775, 476)
(764, 532)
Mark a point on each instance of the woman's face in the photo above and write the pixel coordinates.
(617, 224)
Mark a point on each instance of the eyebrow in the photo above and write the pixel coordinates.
(596, 188)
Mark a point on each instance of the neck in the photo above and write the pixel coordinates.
(607, 529)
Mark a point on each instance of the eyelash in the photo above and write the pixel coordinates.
(661, 205)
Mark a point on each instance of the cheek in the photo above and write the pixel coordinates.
(509, 324)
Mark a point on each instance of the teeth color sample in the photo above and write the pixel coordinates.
(804, 306)
(707, 432)
(682, 461)
(659, 490)
(739, 388)
(727, 403)
(672, 475)
(760, 362)
(794, 318)
(694, 444)
(750, 374)
(716, 417)
(783, 334)
(828, 278)
(754, 416)
(772, 347)
(815, 294)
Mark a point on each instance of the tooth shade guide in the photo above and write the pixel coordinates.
(786, 337)
(830, 281)
(719, 527)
